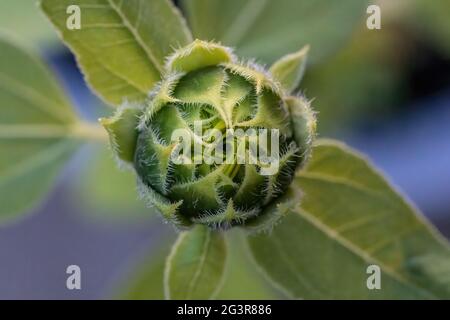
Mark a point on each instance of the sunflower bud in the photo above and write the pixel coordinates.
(218, 140)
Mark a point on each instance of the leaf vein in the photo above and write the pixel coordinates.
(332, 234)
(137, 36)
(202, 260)
(34, 97)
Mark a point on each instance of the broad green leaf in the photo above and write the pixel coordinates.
(24, 19)
(270, 29)
(196, 265)
(121, 45)
(38, 129)
(107, 193)
(343, 87)
(351, 218)
(147, 283)
(242, 281)
(145, 280)
(289, 69)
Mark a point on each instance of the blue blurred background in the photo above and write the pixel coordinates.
(385, 92)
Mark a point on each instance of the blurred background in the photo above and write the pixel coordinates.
(385, 92)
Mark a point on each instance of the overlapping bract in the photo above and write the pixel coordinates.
(205, 83)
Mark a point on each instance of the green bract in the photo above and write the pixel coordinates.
(205, 84)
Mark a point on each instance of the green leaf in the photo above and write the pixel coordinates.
(32, 27)
(351, 218)
(147, 283)
(107, 194)
(304, 124)
(199, 54)
(269, 29)
(242, 281)
(38, 130)
(196, 265)
(343, 86)
(123, 132)
(145, 280)
(289, 69)
(430, 20)
(121, 45)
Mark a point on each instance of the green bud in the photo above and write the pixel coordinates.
(205, 86)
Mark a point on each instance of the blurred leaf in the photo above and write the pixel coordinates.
(242, 281)
(23, 18)
(351, 218)
(195, 267)
(148, 284)
(269, 29)
(289, 69)
(146, 281)
(37, 129)
(364, 81)
(431, 18)
(368, 80)
(121, 45)
(108, 193)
